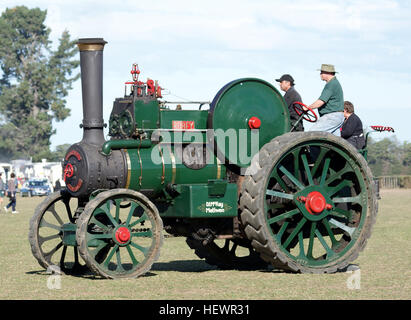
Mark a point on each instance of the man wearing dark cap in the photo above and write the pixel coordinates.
(330, 104)
(291, 96)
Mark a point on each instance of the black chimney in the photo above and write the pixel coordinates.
(91, 64)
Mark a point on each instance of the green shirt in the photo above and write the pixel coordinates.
(333, 97)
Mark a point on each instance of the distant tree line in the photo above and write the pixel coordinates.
(34, 82)
(389, 157)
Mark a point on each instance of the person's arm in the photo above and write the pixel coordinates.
(317, 104)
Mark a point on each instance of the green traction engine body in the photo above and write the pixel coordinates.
(170, 153)
(242, 189)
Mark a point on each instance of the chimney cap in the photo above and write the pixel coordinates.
(91, 44)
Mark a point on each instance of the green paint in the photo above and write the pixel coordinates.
(146, 114)
(156, 167)
(69, 234)
(124, 144)
(195, 201)
(234, 105)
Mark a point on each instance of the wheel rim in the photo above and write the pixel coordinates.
(53, 218)
(121, 236)
(316, 203)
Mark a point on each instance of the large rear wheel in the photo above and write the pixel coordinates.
(309, 203)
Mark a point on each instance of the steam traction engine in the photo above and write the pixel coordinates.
(244, 190)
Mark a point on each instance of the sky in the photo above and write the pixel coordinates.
(193, 48)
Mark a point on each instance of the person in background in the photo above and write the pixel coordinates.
(291, 96)
(330, 104)
(12, 194)
(351, 129)
(57, 186)
(1, 191)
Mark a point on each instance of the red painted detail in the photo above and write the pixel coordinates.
(73, 153)
(139, 83)
(382, 128)
(77, 187)
(315, 202)
(302, 199)
(68, 171)
(150, 87)
(183, 125)
(254, 123)
(123, 235)
(135, 71)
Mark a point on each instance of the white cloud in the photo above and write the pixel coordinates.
(195, 47)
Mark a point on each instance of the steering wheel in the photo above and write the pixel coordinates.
(308, 115)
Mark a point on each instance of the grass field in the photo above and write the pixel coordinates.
(179, 274)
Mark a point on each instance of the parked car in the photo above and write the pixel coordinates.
(35, 187)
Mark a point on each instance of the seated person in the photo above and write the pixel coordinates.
(351, 129)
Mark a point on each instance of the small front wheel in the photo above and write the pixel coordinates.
(119, 234)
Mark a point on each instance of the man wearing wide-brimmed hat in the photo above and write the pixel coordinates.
(330, 104)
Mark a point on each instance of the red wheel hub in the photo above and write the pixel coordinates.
(123, 235)
(315, 202)
(254, 123)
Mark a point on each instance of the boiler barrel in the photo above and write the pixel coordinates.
(154, 168)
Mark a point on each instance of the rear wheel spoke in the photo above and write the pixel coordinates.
(280, 194)
(338, 175)
(307, 169)
(281, 231)
(283, 216)
(330, 232)
(324, 244)
(311, 242)
(280, 181)
(295, 232)
(120, 267)
(325, 170)
(292, 178)
(318, 161)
